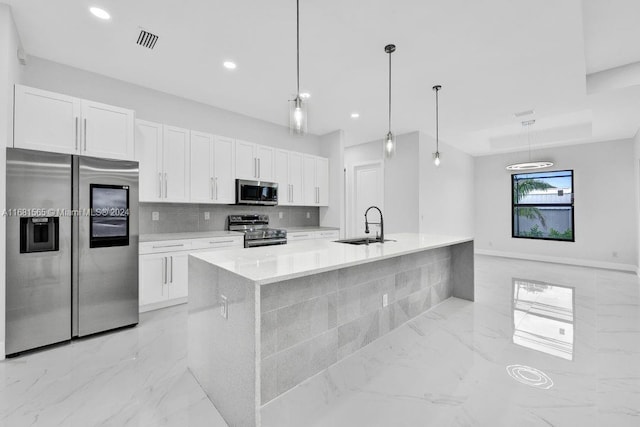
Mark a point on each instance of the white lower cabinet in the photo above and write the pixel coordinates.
(164, 268)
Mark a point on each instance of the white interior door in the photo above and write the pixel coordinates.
(367, 190)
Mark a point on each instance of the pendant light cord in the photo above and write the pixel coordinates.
(298, 45)
(437, 124)
(390, 92)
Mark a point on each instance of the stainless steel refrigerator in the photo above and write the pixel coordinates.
(72, 247)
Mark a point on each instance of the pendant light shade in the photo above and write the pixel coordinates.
(436, 155)
(297, 106)
(389, 142)
(529, 165)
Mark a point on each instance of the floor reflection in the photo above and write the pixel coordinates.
(543, 317)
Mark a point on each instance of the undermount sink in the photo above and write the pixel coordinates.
(363, 241)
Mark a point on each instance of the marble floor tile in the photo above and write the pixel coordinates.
(523, 354)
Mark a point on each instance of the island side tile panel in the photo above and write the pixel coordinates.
(312, 322)
(222, 352)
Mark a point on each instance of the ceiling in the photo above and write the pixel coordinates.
(492, 57)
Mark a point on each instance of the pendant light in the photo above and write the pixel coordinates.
(530, 165)
(389, 143)
(436, 155)
(297, 107)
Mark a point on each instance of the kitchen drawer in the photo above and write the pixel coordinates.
(164, 246)
(328, 234)
(301, 235)
(218, 242)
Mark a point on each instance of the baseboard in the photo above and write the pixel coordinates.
(161, 304)
(562, 260)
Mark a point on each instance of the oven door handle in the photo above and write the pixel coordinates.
(264, 242)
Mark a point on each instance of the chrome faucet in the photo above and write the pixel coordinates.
(381, 223)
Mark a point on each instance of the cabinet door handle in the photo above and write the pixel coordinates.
(171, 281)
(169, 246)
(160, 185)
(164, 271)
(221, 241)
(215, 185)
(77, 132)
(211, 187)
(85, 134)
(255, 167)
(165, 185)
(259, 168)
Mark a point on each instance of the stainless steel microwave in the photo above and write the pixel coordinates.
(256, 192)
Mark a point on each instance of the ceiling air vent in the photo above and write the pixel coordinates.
(147, 39)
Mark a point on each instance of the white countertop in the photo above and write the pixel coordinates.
(269, 264)
(185, 236)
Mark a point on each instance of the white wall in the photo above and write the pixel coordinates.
(10, 73)
(332, 147)
(418, 196)
(160, 107)
(605, 206)
(446, 191)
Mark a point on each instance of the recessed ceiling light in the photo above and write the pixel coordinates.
(305, 95)
(355, 115)
(100, 13)
(230, 65)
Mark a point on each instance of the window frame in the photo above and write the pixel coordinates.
(571, 205)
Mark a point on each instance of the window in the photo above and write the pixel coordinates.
(543, 205)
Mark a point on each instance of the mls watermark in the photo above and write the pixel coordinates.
(48, 212)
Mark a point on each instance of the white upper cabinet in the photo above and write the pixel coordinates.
(266, 159)
(108, 131)
(224, 189)
(149, 155)
(163, 154)
(212, 175)
(246, 161)
(46, 121)
(175, 155)
(322, 180)
(201, 166)
(288, 174)
(296, 178)
(316, 181)
(281, 176)
(254, 161)
(49, 121)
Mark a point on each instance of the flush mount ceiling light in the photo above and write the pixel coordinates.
(230, 65)
(297, 108)
(100, 13)
(389, 143)
(530, 165)
(436, 155)
(355, 115)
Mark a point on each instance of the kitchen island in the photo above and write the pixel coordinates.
(263, 320)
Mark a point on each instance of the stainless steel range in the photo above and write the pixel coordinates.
(256, 230)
